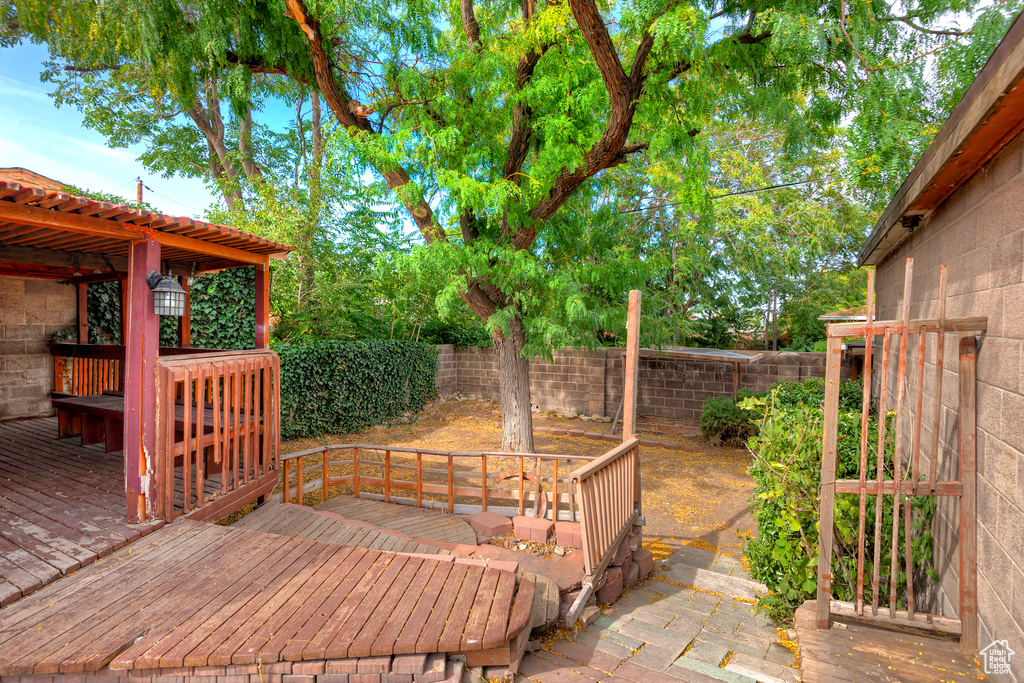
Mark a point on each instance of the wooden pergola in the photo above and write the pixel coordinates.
(51, 234)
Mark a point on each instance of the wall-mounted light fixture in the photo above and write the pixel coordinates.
(168, 296)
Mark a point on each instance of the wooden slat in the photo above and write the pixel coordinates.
(833, 362)
(897, 459)
(880, 471)
(940, 346)
(967, 430)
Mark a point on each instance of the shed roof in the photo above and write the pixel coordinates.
(55, 230)
(990, 115)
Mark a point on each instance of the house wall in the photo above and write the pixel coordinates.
(31, 309)
(979, 233)
(591, 381)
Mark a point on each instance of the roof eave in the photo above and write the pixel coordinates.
(988, 116)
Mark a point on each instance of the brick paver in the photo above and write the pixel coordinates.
(663, 632)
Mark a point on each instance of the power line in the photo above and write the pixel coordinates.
(730, 194)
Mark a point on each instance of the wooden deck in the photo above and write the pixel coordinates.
(404, 519)
(62, 506)
(196, 595)
(296, 521)
(856, 651)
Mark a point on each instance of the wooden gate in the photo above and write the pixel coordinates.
(218, 424)
(894, 484)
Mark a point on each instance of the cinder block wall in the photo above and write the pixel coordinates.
(591, 382)
(445, 369)
(979, 233)
(31, 310)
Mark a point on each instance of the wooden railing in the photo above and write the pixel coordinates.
(430, 478)
(88, 369)
(609, 496)
(218, 424)
(609, 489)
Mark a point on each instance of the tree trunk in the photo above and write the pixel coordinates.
(514, 387)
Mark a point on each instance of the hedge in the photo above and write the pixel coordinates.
(337, 387)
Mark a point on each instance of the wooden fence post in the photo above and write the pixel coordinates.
(833, 360)
(968, 500)
(632, 360)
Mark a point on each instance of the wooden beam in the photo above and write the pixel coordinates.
(838, 330)
(62, 259)
(90, 225)
(169, 239)
(83, 312)
(70, 222)
(631, 368)
(141, 353)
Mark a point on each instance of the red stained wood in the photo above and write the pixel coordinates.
(263, 305)
(141, 352)
(968, 501)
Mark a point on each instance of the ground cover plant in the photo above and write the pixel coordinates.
(786, 469)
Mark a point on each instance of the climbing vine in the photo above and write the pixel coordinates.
(335, 387)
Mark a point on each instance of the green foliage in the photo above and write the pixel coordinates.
(723, 417)
(335, 387)
(223, 312)
(787, 471)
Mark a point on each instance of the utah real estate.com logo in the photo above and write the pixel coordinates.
(997, 657)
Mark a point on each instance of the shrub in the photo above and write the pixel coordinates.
(340, 387)
(721, 416)
(787, 471)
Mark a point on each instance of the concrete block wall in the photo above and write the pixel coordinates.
(31, 310)
(979, 233)
(591, 381)
(445, 369)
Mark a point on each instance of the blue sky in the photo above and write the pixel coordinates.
(51, 141)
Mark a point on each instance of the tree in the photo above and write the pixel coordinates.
(487, 121)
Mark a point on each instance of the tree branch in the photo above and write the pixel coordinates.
(470, 26)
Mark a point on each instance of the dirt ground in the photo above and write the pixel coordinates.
(697, 497)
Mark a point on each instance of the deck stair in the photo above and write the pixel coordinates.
(296, 521)
(199, 600)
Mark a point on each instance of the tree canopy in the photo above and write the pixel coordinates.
(492, 123)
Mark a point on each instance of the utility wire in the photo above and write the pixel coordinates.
(730, 194)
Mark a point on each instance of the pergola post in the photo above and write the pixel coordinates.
(185, 321)
(263, 305)
(142, 348)
(83, 313)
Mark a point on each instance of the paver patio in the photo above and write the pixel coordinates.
(663, 631)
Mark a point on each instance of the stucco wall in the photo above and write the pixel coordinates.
(31, 310)
(979, 233)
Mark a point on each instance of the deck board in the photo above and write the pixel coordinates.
(62, 505)
(289, 519)
(195, 594)
(403, 519)
(858, 651)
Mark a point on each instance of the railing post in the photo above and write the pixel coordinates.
(387, 476)
(326, 457)
(554, 491)
(419, 480)
(451, 485)
(483, 496)
(355, 470)
(287, 485)
(522, 486)
(632, 364)
(828, 481)
(298, 480)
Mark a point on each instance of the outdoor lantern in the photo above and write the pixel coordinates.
(168, 296)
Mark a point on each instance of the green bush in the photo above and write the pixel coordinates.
(721, 416)
(340, 387)
(787, 472)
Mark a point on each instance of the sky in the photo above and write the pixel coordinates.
(53, 142)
